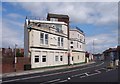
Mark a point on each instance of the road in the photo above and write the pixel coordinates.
(96, 72)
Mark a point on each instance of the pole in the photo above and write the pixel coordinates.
(15, 59)
(93, 46)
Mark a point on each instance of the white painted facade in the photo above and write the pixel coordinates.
(77, 45)
(47, 45)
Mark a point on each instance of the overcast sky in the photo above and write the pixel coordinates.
(98, 20)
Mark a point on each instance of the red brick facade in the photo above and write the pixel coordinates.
(8, 64)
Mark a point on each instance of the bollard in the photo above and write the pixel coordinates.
(111, 64)
(116, 62)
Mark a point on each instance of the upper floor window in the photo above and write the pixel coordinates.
(59, 28)
(61, 41)
(58, 41)
(77, 44)
(53, 19)
(44, 38)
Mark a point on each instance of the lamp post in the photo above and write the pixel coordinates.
(94, 45)
(15, 58)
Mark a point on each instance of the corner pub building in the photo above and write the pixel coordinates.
(47, 41)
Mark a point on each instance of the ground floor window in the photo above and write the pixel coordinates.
(61, 58)
(43, 58)
(72, 58)
(36, 59)
(56, 58)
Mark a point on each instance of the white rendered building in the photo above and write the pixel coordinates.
(46, 42)
(77, 45)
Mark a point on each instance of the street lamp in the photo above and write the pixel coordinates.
(15, 58)
(94, 45)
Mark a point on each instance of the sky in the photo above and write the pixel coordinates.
(98, 20)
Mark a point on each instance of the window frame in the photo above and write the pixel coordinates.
(44, 40)
(61, 58)
(58, 41)
(44, 57)
(62, 42)
(36, 58)
(56, 58)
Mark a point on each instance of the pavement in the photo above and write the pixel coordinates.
(42, 70)
(91, 72)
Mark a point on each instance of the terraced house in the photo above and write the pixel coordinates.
(47, 41)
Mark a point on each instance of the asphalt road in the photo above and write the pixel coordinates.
(96, 72)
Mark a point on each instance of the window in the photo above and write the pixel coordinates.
(61, 58)
(80, 46)
(46, 38)
(58, 41)
(77, 44)
(72, 58)
(71, 42)
(61, 41)
(59, 28)
(56, 58)
(43, 58)
(78, 56)
(71, 46)
(36, 59)
(43, 38)
(53, 19)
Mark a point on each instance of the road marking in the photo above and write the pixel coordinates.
(51, 74)
(92, 74)
(63, 81)
(30, 77)
(86, 74)
(54, 80)
(77, 75)
(50, 81)
(98, 71)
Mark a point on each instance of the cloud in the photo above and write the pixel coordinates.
(14, 23)
(10, 38)
(14, 15)
(60, 1)
(91, 12)
(101, 42)
(11, 35)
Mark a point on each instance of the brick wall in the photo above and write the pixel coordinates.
(9, 66)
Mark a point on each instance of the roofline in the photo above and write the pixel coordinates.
(77, 31)
(57, 14)
(49, 22)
